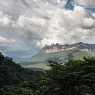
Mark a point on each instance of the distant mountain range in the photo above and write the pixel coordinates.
(59, 47)
(77, 50)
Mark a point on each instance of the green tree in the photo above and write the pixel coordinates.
(76, 77)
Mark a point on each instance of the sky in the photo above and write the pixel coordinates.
(27, 25)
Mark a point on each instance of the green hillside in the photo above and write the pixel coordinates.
(42, 57)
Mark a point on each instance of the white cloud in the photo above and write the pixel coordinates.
(4, 40)
(40, 22)
(86, 3)
(69, 26)
(4, 19)
(23, 20)
(56, 26)
(88, 22)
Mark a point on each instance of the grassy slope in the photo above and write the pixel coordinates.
(43, 57)
(40, 60)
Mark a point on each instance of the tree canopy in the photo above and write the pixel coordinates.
(75, 77)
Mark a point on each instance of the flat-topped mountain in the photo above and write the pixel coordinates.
(64, 52)
(59, 47)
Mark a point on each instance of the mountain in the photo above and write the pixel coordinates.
(64, 52)
(58, 47)
(11, 73)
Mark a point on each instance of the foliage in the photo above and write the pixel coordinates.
(16, 80)
(75, 77)
(16, 91)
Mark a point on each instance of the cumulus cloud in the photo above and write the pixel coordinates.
(32, 24)
(69, 26)
(4, 19)
(52, 24)
(6, 41)
(86, 3)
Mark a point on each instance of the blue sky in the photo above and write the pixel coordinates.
(27, 25)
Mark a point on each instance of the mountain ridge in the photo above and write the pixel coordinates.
(75, 51)
(60, 47)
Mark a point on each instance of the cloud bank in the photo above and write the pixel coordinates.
(26, 26)
(86, 3)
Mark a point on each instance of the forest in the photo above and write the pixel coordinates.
(75, 77)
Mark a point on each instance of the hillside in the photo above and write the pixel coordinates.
(61, 52)
(11, 73)
(64, 55)
(64, 52)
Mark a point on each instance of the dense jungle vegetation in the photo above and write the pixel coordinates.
(75, 77)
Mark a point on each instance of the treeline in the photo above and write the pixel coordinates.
(14, 78)
(75, 77)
